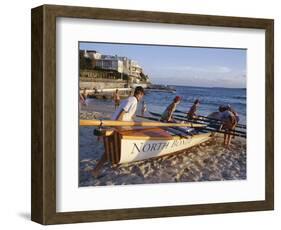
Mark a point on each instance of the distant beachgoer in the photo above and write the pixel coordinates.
(127, 109)
(116, 98)
(143, 108)
(228, 123)
(83, 97)
(192, 111)
(167, 115)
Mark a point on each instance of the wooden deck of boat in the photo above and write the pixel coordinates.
(155, 133)
(142, 132)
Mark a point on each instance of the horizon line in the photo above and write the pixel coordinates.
(193, 86)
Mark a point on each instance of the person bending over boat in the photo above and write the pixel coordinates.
(127, 109)
(229, 108)
(228, 123)
(167, 115)
(191, 114)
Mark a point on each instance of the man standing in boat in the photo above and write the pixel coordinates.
(167, 115)
(127, 109)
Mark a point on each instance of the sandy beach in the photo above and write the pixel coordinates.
(209, 161)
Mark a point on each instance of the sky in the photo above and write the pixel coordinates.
(190, 66)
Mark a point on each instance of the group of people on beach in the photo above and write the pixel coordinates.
(125, 111)
(226, 114)
(167, 115)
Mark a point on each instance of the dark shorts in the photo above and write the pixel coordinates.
(117, 102)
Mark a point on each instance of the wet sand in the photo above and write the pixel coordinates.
(209, 161)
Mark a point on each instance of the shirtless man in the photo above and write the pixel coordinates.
(192, 111)
(116, 98)
(167, 115)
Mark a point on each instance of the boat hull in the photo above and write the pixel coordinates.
(124, 146)
(137, 150)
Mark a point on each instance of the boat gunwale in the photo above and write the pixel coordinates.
(172, 137)
(175, 137)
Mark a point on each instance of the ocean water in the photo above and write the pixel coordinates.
(210, 100)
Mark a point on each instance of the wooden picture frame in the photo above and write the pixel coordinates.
(43, 207)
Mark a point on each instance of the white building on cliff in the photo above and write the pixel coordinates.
(122, 65)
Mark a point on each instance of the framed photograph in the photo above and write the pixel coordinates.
(140, 114)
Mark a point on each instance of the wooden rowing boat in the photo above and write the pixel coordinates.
(141, 143)
(129, 141)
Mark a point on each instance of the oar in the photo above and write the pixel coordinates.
(217, 120)
(230, 131)
(148, 118)
(136, 123)
(212, 119)
(209, 125)
(224, 132)
(199, 121)
(205, 128)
